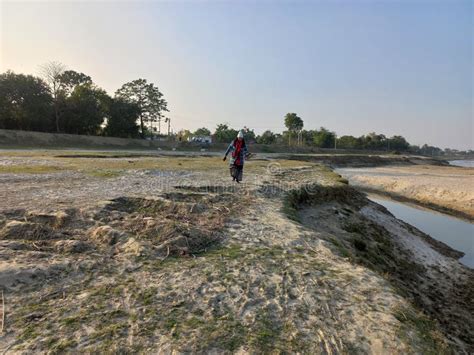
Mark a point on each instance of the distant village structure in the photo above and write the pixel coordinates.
(200, 139)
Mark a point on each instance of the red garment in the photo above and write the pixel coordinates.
(238, 144)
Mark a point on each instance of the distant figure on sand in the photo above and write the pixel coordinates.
(239, 151)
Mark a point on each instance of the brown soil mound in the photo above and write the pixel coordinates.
(27, 231)
(105, 235)
(181, 225)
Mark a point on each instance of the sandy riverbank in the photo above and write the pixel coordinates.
(447, 189)
(148, 254)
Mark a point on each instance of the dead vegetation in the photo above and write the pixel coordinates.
(175, 223)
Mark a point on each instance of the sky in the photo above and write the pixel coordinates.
(393, 67)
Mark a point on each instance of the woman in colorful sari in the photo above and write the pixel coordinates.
(239, 151)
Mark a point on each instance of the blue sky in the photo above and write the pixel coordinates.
(394, 67)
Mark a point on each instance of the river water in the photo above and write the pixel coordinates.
(456, 233)
(452, 231)
(463, 163)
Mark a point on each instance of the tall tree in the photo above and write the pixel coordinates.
(397, 143)
(224, 134)
(307, 136)
(324, 138)
(202, 132)
(86, 109)
(183, 135)
(51, 73)
(294, 123)
(122, 119)
(69, 79)
(374, 141)
(148, 98)
(249, 134)
(25, 102)
(349, 142)
(267, 137)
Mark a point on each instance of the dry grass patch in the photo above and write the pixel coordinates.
(188, 223)
(30, 169)
(115, 163)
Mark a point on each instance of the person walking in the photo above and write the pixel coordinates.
(239, 153)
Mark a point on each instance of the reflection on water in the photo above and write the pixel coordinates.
(454, 232)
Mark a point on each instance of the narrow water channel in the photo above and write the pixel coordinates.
(463, 163)
(456, 233)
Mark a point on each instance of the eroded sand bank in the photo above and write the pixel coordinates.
(444, 188)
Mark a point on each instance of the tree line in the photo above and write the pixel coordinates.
(67, 101)
(295, 135)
